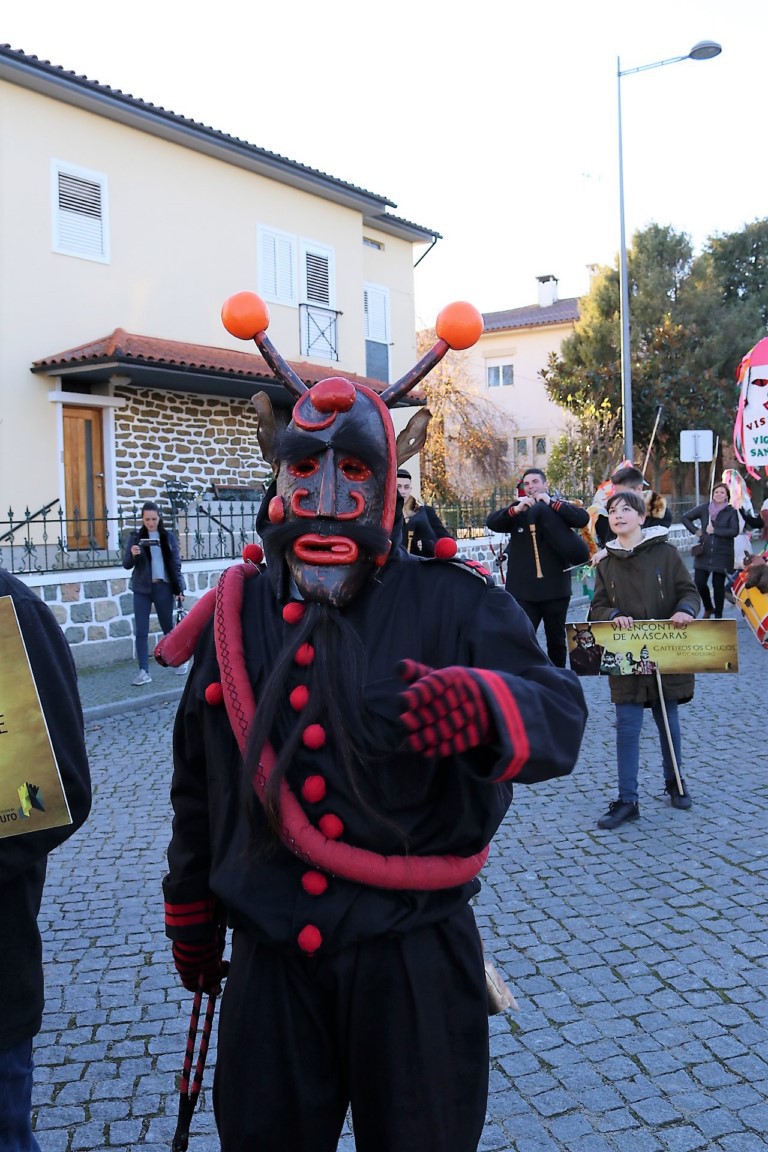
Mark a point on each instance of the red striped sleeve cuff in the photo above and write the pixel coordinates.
(509, 722)
(192, 915)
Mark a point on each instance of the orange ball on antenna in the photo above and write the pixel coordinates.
(245, 315)
(459, 324)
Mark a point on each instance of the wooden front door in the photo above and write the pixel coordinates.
(84, 477)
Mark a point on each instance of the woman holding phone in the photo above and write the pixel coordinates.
(153, 554)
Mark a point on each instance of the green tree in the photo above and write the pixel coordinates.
(691, 321)
(585, 454)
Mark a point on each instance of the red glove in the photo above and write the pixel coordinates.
(203, 958)
(444, 710)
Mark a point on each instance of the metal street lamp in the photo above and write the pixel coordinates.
(704, 50)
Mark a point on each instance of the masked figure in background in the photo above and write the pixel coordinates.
(343, 754)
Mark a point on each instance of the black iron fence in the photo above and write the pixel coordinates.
(49, 541)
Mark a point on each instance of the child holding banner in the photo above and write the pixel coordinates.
(643, 577)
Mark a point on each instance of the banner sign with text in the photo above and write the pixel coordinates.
(600, 648)
(31, 792)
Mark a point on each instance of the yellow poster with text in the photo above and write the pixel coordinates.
(31, 792)
(601, 648)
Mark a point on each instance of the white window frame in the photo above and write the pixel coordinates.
(84, 235)
(524, 440)
(540, 436)
(377, 327)
(276, 267)
(499, 362)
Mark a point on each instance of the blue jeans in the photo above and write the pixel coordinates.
(16, 1099)
(629, 724)
(162, 597)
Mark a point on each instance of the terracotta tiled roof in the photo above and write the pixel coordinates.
(124, 349)
(533, 315)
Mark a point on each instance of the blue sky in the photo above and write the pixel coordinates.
(496, 125)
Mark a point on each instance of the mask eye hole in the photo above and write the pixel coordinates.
(304, 468)
(354, 469)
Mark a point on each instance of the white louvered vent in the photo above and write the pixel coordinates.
(80, 216)
(318, 279)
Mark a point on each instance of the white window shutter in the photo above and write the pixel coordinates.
(375, 302)
(276, 267)
(376, 309)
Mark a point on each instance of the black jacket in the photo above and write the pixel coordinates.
(422, 530)
(404, 806)
(23, 859)
(141, 578)
(718, 545)
(557, 544)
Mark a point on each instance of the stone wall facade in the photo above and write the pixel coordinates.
(186, 439)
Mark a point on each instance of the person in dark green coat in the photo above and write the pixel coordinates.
(643, 577)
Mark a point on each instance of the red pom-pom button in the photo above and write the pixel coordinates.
(313, 789)
(445, 548)
(331, 826)
(314, 883)
(214, 694)
(313, 737)
(305, 654)
(309, 939)
(293, 611)
(299, 697)
(253, 554)
(276, 510)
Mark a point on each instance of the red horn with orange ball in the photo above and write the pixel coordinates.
(458, 326)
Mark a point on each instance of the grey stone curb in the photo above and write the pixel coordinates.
(135, 704)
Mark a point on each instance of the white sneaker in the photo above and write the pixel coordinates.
(182, 668)
(141, 677)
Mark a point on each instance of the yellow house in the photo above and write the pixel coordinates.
(505, 366)
(123, 228)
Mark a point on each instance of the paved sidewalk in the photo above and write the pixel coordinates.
(639, 956)
(107, 691)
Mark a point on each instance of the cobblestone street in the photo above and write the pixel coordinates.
(639, 956)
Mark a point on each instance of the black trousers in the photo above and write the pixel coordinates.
(701, 580)
(553, 613)
(396, 1027)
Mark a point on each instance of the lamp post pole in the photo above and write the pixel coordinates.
(704, 50)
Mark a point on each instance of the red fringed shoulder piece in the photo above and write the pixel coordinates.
(179, 645)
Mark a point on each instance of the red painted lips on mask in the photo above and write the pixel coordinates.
(315, 549)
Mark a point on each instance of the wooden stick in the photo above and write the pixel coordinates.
(539, 573)
(653, 436)
(675, 768)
